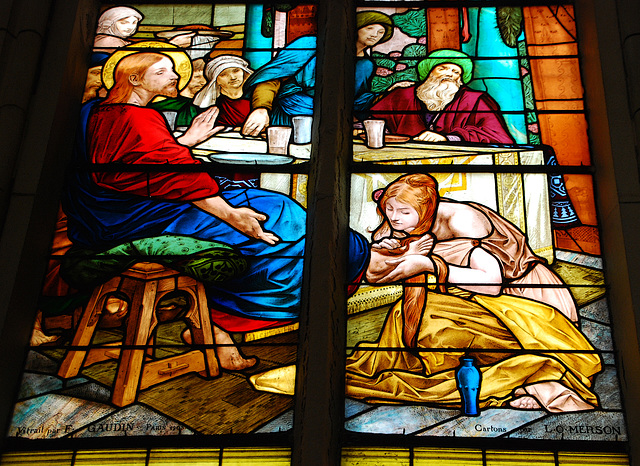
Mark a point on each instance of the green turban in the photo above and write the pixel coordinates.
(441, 56)
(367, 18)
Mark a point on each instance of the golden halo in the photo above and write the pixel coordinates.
(181, 62)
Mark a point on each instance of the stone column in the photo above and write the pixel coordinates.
(319, 410)
(44, 58)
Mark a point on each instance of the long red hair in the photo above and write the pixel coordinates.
(420, 191)
(135, 64)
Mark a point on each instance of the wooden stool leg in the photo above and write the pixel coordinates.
(137, 333)
(203, 335)
(72, 362)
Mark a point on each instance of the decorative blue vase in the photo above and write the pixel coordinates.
(468, 380)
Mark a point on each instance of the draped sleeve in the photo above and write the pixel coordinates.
(127, 134)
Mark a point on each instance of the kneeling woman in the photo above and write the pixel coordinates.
(492, 299)
(492, 293)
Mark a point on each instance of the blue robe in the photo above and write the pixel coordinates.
(99, 218)
(296, 65)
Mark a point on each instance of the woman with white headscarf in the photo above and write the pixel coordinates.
(115, 26)
(226, 75)
(119, 23)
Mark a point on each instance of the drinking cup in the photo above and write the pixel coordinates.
(375, 133)
(278, 139)
(170, 116)
(302, 129)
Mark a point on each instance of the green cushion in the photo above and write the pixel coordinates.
(206, 261)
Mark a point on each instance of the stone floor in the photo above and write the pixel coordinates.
(50, 407)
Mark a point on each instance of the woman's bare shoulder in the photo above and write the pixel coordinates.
(465, 221)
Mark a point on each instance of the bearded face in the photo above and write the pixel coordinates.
(161, 79)
(440, 87)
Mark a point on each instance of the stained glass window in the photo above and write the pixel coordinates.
(176, 267)
(477, 306)
(483, 312)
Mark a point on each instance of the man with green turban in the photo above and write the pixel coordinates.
(441, 107)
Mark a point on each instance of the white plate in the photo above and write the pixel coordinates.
(244, 158)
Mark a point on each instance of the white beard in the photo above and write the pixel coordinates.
(437, 93)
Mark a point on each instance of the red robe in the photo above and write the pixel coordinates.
(471, 116)
(128, 134)
(233, 112)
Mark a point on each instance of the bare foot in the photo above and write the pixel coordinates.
(38, 337)
(228, 354)
(525, 402)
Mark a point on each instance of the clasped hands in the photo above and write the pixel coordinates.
(413, 258)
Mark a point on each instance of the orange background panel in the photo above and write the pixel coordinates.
(444, 28)
(556, 78)
(579, 239)
(580, 189)
(567, 134)
(301, 21)
(551, 25)
(568, 105)
(550, 50)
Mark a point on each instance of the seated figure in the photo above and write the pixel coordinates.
(107, 208)
(441, 107)
(227, 75)
(284, 87)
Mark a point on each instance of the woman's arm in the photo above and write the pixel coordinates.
(483, 275)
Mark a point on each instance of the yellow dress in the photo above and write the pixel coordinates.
(516, 342)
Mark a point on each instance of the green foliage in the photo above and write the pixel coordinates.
(380, 84)
(522, 48)
(415, 50)
(413, 23)
(267, 22)
(419, 51)
(409, 73)
(383, 60)
(283, 7)
(529, 101)
(510, 24)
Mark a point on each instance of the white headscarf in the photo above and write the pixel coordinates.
(108, 19)
(207, 96)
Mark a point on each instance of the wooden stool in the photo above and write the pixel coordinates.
(144, 284)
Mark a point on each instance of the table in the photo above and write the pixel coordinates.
(527, 208)
(522, 198)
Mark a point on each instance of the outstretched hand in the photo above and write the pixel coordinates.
(248, 221)
(430, 136)
(202, 128)
(401, 84)
(386, 243)
(243, 219)
(422, 245)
